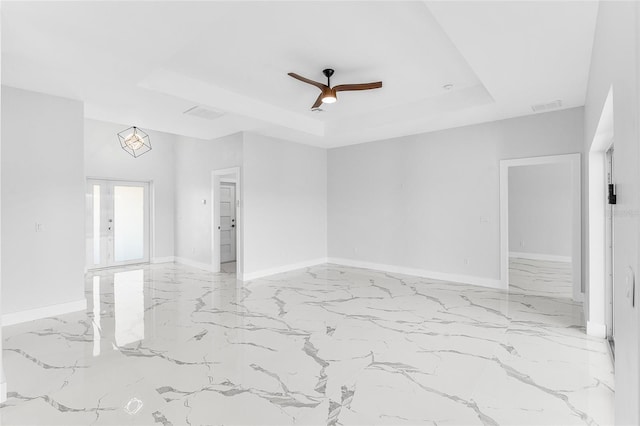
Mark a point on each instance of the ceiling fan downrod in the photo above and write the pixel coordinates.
(328, 72)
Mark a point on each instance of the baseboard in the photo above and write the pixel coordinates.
(540, 256)
(248, 276)
(443, 276)
(44, 312)
(195, 264)
(165, 259)
(596, 330)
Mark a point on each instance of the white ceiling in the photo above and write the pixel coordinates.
(145, 63)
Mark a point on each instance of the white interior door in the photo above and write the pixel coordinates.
(117, 223)
(227, 222)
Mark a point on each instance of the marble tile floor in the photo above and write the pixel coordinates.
(540, 277)
(329, 345)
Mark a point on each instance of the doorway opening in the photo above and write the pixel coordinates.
(226, 241)
(540, 230)
(540, 226)
(227, 225)
(117, 223)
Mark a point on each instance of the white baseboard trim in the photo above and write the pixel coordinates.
(596, 330)
(443, 276)
(248, 276)
(193, 263)
(540, 256)
(44, 312)
(166, 259)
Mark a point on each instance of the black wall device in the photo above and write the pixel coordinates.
(612, 193)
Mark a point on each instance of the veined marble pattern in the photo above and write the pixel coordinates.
(329, 345)
(540, 277)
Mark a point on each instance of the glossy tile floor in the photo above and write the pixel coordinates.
(329, 345)
(540, 277)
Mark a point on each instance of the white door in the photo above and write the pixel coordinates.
(117, 223)
(227, 222)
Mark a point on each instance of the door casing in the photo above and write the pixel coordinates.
(216, 177)
(576, 251)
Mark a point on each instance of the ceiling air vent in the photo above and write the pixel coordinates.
(202, 112)
(547, 106)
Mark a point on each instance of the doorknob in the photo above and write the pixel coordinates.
(233, 226)
(218, 227)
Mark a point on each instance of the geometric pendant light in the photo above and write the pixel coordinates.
(134, 141)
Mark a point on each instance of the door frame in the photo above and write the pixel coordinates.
(150, 225)
(576, 231)
(595, 312)
(216, 177)
(609, 258)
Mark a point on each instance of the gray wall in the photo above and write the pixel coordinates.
(195, 160)
(43, 182)
(540, 209)
(614, 65)
(431, 201)
(284, 193)
(105, 159)
(285, 199)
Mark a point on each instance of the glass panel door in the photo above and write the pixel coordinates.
(117, 223)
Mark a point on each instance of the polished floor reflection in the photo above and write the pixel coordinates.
(329, 345)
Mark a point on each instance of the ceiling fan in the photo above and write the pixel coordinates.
(328, 94)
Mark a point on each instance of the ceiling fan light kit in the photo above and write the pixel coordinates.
(328, 94)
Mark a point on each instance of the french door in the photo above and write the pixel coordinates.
(117, 218)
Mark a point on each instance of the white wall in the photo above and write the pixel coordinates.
(3, 380)
(104, 158)
(540, 205)
(42, 182)
(195, 160)
(614, 63)
(430, 202)
(285, 200)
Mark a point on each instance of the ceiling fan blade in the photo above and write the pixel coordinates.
(306, 80)
(362, 86)
(318, 102)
